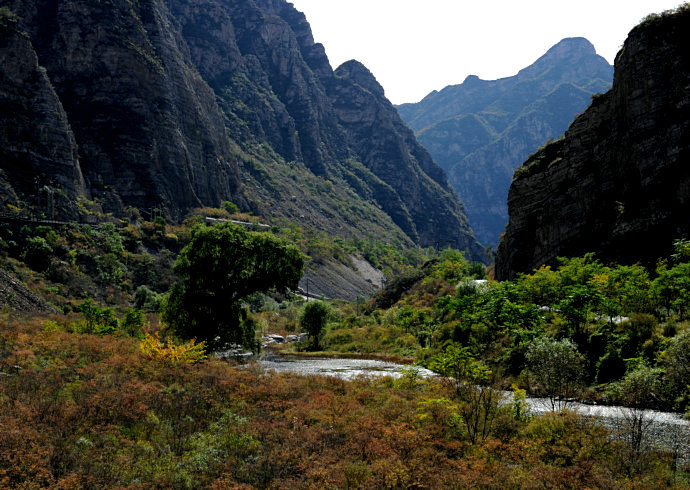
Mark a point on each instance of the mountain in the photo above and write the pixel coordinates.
(480, 131)
(121, 107)
(618, 184)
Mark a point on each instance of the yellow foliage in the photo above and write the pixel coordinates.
(188, 353)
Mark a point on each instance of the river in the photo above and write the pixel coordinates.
(663, 429)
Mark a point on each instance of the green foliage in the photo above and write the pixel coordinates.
(313, 320)
(133, 322)
(110, 269)
(147, 300)
(99, 320)
(8, 19)
(676, 363)
(519, 408)
(38, 254)
(558, 368)
(220, 267)
(478, 401)
(230, 207)
(673, 287)
(639, 386)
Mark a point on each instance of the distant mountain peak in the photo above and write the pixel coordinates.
(618, 183)
(569, 50)
(572, 44)
(358, 73)
(479, 131)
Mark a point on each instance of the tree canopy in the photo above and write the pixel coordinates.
(313, 319)
(220, 267)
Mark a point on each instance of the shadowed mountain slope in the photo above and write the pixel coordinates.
(481, 130)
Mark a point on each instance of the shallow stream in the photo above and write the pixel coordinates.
(664, 429)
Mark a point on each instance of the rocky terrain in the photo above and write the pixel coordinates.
(179, 104)
(618, 184)
(17, 297)
(337, 280)
(480, 131)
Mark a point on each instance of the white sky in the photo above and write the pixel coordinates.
(415, 46)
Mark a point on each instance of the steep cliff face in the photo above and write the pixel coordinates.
(183, 103)
(480, 131)
(619, 183)
(148, 128)
(38, 147)
(421, 202)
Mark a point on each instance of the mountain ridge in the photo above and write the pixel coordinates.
(617, 184)
(178, 104)
(481, 154)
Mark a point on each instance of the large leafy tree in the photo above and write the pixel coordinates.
(558, 368)
(220, 267)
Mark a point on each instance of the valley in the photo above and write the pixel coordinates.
(185, 182)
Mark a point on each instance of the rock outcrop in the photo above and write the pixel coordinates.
(15, 295)
(618, 184)
(38, 148)
(480, 131)
(415, 191)
(148, 129)
(177, 104)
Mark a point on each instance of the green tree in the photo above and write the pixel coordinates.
(230, 207)
(472, 380)
(38, 253)
(672, 286)
(133, 322)
(637, 390)
(220, 267)
(541, 286)
(146, 300)
(99, 320)
(676, 361)
(558, 368)
(580, 300)
(313, 320)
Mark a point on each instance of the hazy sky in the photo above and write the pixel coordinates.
(415, 46)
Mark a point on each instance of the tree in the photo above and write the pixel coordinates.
(221, 266)
(672, 286)
(558, 368)
(313, 320)
(472, 381)
(638, 387)
(676, 361)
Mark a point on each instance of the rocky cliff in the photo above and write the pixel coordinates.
(618, 184)
(177, 104)
(481, 130)
(38, 145)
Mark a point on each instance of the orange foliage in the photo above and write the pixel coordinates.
(89, 411)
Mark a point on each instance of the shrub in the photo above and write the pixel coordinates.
(230, 207)
(558, 368)
(38, 254)
(147, 300)
(189, 352)
(133, 322)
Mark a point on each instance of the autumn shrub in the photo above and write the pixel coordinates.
(188, 352)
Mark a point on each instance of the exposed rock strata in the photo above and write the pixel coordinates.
(18, 297)
(619, 183)
(178, 104)
(38, 148)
